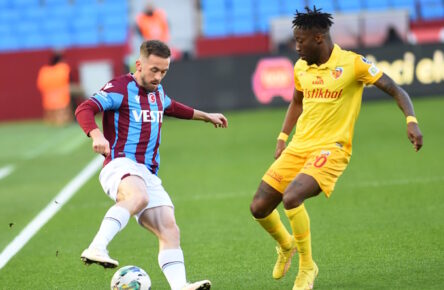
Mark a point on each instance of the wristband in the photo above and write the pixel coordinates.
(411, 119)
(282, 136)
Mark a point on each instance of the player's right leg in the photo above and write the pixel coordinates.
(263, 209)
(129, 192)
(161, 221)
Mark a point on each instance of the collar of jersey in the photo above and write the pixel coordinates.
(331, 62)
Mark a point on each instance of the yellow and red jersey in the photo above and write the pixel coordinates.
(332, 99)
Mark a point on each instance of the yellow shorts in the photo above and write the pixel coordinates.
(325, 166)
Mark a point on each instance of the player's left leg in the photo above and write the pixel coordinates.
(161, 221)
(301, 188)
(320, 173)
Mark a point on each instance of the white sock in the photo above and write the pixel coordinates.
(116, 218)
(171, 262)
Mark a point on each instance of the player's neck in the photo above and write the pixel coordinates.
(138, 79)
(325, 53)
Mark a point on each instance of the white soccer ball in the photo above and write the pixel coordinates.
(130, 278)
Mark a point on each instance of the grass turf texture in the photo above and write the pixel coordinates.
(382, 228)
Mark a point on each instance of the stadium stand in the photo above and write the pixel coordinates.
(41, 24)
(237, 17)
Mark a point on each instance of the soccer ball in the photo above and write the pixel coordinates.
(130, 278)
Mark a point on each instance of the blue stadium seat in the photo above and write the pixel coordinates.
(35, 14)
(50, 3)
(114, 9)
(114, 34)
(87, 10)
(216, 28)
(243, 26)
(410, 5)
(349, 5)
(84, 23)
(4, 4)
(59, 39)
(376, 4)
(431, 11)
(62, 11)
(25, 3)
(34, 41)
(9, 16)
(326, 5)
(213, 5)
(116, 22)
(54, 24)
(86, 38)
(9, 43)
(5, 29)
(24, 28)
(241, 8)
(289, 7)
(85, 2)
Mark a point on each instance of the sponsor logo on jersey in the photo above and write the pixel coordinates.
(152, 98)
(322, 94)
(366, 60)
(318, 81)
(337, 73)
(373, 70)
(147, 116)
(325, 152)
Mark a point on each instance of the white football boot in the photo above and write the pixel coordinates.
(200, 285)
(101, 257)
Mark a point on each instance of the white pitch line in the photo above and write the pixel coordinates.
(5, 171)
(49, 211)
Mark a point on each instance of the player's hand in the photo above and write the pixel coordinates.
(280, 146)
(414, 135)
(217, 119)
(100, 144)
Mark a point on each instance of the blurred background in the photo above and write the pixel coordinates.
(228, 54)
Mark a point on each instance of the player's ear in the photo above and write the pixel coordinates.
(138, 65)
(319, 37)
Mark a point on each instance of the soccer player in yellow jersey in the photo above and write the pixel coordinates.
(329, 83)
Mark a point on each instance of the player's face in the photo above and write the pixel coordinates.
(152, 70)
(308, 44)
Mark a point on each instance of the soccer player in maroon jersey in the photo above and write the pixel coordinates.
(133, 106)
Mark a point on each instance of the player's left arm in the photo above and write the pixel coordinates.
(181, 111)
(386, 84)
(217, 119)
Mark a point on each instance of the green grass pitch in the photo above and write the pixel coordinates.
(383, 227)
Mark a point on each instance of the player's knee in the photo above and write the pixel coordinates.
(291, 200)
(170, 232)
(258, 209)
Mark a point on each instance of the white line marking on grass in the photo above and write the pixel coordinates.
(49, 211)
(5, 171)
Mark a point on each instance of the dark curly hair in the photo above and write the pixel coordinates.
(312, 19)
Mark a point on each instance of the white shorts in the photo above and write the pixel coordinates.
(112, 174)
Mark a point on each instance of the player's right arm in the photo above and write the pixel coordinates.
(85, 113)
(291, 117)
(108, 98)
